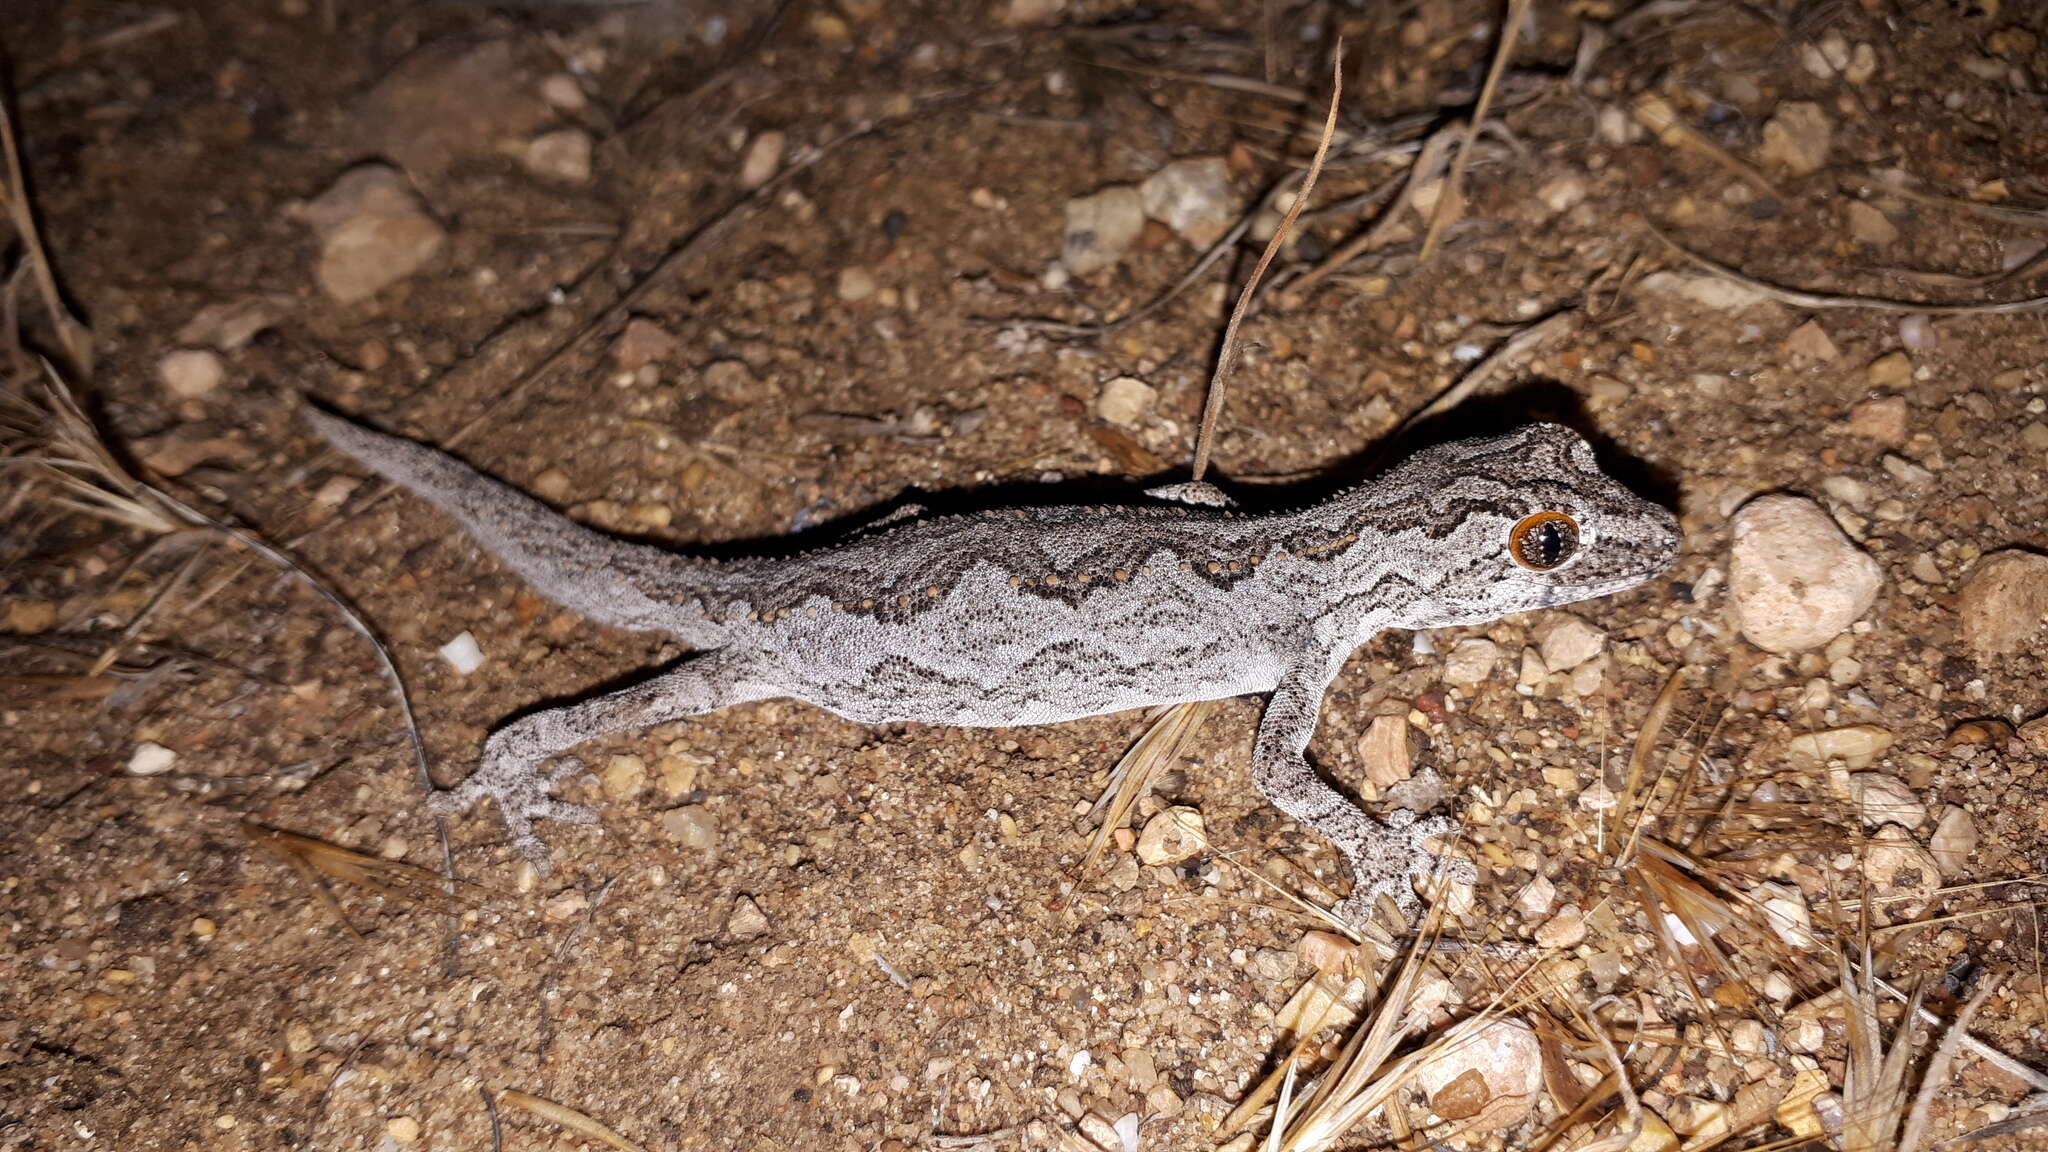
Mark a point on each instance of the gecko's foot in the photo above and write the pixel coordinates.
(523, 793)
(1401, 856)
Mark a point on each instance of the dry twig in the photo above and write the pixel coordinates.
(1212, 411)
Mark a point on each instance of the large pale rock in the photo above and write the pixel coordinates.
(2005, 603)
(372, 231)
(1796, 581)
(452, 102)
(1490, 1081)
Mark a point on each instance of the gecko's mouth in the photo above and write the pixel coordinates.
(1567, 593)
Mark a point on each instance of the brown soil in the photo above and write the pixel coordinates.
(932, 960)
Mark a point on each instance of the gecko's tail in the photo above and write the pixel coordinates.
(613, 581)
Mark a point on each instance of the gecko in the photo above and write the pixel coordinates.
(1021, 616)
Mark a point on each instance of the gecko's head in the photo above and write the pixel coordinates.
(1525, 520)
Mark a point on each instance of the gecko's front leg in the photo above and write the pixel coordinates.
(1382, 856)
(514, 770)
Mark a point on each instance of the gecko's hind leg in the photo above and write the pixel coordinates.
(514, 769)
(1382, 856)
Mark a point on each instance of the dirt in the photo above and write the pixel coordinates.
(791, 931)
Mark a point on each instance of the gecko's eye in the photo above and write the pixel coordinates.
(1543, 541)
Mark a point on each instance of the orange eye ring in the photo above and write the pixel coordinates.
(1544, 541)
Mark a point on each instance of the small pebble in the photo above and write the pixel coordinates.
(1386, 752)
(1571, 642)
(692, 826)
(373, 233)
(1882, 420)
(150, 759)
(563, 91)
(462, 653)
(1562, 193)
(642, 343)
(1917, 333)
(1882, 799)
(624, 776)
(1893, 370)
(565, 906)
(1797, 138)
(1567, 929)
(1954, 842)
(562, 155)
(1101, 228)
(1808, 342)
(1326, 951)
(403, 1129)
(1903, 876)
(762, 160)
(1869, 226)
(1173, 835)
(1786, 911)
(190, 373)
(1489, 1082)
(1855, 747)
(1905, 471)
(1126, 401)
(1471, 662)
(855, 284)
(1193, 198)
(746, 921)
(1536, 897)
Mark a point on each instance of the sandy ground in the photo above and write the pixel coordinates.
(795, 932)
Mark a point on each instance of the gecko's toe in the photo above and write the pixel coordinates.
(565, 769)
(1357, 909)
(453, 801)
(562, 810)
(1440, 870)
(535, 852)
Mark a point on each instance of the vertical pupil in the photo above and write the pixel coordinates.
(1545, 541)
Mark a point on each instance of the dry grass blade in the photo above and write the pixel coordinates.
(1639, 759)
(1873, 1079)
(2038, 1081)
(54, 442)
(1161, 744)
(72, 454)
(1799, 298)
(58, 688)
(1209, 259)
(385, 877)
(1668, 894)
(1936, 1075)
(1496, 366)
(1631, 1106)
(75, 337)
(1429, 161)
(1656, 113)
(2018, 217)
(1212, 410)
(1366, 1076)
(77, 457)
(1450, 203)
(568, 1118)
